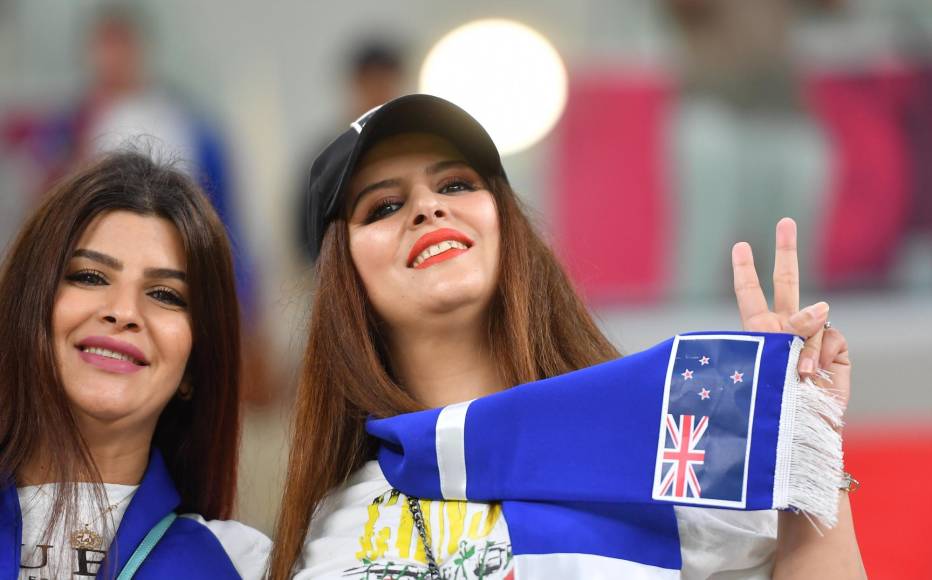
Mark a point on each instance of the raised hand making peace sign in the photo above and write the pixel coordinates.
(802, 550)
(825, 348)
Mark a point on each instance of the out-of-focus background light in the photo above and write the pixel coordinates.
(505, 74)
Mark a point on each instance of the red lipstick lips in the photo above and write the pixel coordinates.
(91, 351)
(436, 237)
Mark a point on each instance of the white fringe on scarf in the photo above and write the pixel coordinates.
(809, 468)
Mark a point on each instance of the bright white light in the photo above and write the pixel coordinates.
(506, 75)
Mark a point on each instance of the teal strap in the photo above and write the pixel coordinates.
(149, 542)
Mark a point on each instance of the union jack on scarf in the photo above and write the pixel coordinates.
(588, 465)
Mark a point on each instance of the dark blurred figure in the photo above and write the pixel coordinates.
(736, 50)
(375, 73)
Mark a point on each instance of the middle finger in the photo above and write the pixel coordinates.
(786, 270)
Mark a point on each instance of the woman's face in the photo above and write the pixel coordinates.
(121, 325)
(423, 230)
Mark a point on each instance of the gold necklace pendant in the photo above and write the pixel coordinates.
(86, 539)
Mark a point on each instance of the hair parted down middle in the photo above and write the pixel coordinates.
(198, 438)
(538, 327)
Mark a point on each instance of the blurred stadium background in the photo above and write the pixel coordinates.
(688, 125)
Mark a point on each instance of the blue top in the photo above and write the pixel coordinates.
(187, 550)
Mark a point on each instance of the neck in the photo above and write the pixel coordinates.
(120, 458)
(445, 365)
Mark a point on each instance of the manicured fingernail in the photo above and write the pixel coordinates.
(816, 311)
(806, 366)
(819, 309)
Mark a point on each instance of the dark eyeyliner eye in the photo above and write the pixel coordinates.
(453, 184)
(88, 277)
(168, 296)
(383, 208)
(457, 184)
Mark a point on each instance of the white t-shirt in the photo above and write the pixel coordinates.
(53, 556)
(364, 530)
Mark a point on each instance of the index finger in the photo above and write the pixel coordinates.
(786, 269)
(750, 296)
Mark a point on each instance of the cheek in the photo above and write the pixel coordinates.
(72, 308)
(373, 251)
(174, 340)
(484, 216)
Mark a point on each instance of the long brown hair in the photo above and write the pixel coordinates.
(199, 437)
(538, 327)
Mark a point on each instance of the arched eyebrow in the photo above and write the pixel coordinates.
(164, 273)
(441, 166)
(104, 259)
(116, 264)
(385, 183)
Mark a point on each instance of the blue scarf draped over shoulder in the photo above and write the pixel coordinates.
(593, 461)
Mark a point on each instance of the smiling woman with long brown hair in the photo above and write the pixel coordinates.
(119, 374)
(436, 295)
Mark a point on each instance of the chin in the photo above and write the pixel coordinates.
(450, 298)
(103, 402)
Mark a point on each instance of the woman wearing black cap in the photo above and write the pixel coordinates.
(434, 291)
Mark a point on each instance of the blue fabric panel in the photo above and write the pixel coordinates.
(155, 497)
(763, 458)
(187, 550)
(410, 462)
(638, 533)
(11, 532)
(589, 435)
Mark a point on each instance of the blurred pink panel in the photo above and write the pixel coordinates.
(612, 200)
(869, 191)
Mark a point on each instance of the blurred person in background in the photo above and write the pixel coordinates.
(119, 377)
(763, 114)
(745, 146)
(375, 73)
(441, 293)
(125, 106)
(765, 129)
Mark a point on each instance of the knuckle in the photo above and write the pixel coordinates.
(786, 278)
(811, 348)
(747, 286)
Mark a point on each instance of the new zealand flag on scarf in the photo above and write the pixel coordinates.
(601, 454)
(706, 436)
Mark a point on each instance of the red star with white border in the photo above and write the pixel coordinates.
(704, 361)
(704, 394)
(687, 374)
(736, 378)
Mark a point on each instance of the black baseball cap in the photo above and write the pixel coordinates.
(334, 167)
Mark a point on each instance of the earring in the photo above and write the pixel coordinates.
(185, 391)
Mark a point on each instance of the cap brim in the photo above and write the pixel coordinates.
(428, 114)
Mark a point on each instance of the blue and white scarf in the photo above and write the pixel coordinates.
(588, 465)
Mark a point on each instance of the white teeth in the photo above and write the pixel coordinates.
(435, 249)
(108, 353)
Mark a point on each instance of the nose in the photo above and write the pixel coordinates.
(122, 310)
(428, 206)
